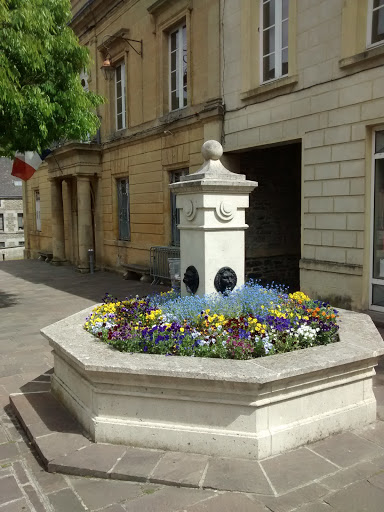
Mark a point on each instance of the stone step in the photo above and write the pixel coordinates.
(64, 448)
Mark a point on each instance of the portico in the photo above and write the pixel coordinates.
(74, 172)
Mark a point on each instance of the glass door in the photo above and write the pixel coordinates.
(377, 274)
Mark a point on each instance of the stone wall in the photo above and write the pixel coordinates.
(332, 105)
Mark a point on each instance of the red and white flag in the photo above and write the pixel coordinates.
(25, 164)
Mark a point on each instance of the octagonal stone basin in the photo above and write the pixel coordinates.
(248, 409)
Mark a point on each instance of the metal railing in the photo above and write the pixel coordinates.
(159, 267)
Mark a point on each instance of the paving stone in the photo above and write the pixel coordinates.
(136, 464)
(65, 501)
(373, 433)
(182, 468)
(100, 493)
(48, 482)
(348, 476)
(9, 490)
(236, 475)
(359, 497)
(114, 508)
(168, 499)
(57, 445)
(16, 506)
(5, 469)
(227, 502)
(292, 500)
(34, 498)
(3, 436)
(377, 480)
(94, 460)
(346, 449)
(8, 451)
(20, 473)
(315, 507)
(295, 469)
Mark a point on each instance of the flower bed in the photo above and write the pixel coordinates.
(252, 321)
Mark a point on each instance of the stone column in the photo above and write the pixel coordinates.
(57, 212)
(212, 203)
(84, 221)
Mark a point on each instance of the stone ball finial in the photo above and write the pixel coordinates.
(212, 150)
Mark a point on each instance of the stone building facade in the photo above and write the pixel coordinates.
(294, 89)
(163, 101)
(11, 214)
(304, 97)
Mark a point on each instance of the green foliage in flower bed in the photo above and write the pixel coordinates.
(252, 321)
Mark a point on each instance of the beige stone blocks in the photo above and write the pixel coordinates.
(337, 134)
(326, 101)
(327, 171)
(335, 254)
(357, 186)
(340, 187)
(331, 221)
(344, 115)
(348, 151)
(355, 256)
(352, 169)
(317, 155)
(373, 109)
(358, 93)
(356, 221)
(312, 188)
(321, 204)
(352, 204)
(314, 139)
(344, 238)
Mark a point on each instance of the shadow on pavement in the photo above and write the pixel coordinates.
(67, 279)
(7, 300)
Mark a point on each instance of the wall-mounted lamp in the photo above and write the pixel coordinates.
(108, 68)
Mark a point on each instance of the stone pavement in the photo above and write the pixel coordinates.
(342, 473)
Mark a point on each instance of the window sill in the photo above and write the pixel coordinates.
(271, 89)
(369, 55)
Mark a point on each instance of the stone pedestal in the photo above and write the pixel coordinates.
(212, 205)
(85, 228)
(58, 241)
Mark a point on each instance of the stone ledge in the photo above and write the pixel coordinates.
(356, 330)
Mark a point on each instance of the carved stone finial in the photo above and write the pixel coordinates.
(212, 150)
(212, 168)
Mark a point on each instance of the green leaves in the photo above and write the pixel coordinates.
(41, 97)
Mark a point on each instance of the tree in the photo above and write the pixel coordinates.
(41, 97)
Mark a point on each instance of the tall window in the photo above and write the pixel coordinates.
(1, 221)
(377, 280)
(37, 210)
(178, 68)
(20, 221)
(376, 22)
(274, 38)
(175, 213)
(123, 209)
(120, 96)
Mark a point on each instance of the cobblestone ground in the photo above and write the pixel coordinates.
(344, 473)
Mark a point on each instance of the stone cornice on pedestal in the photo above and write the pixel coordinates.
(212, 175)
